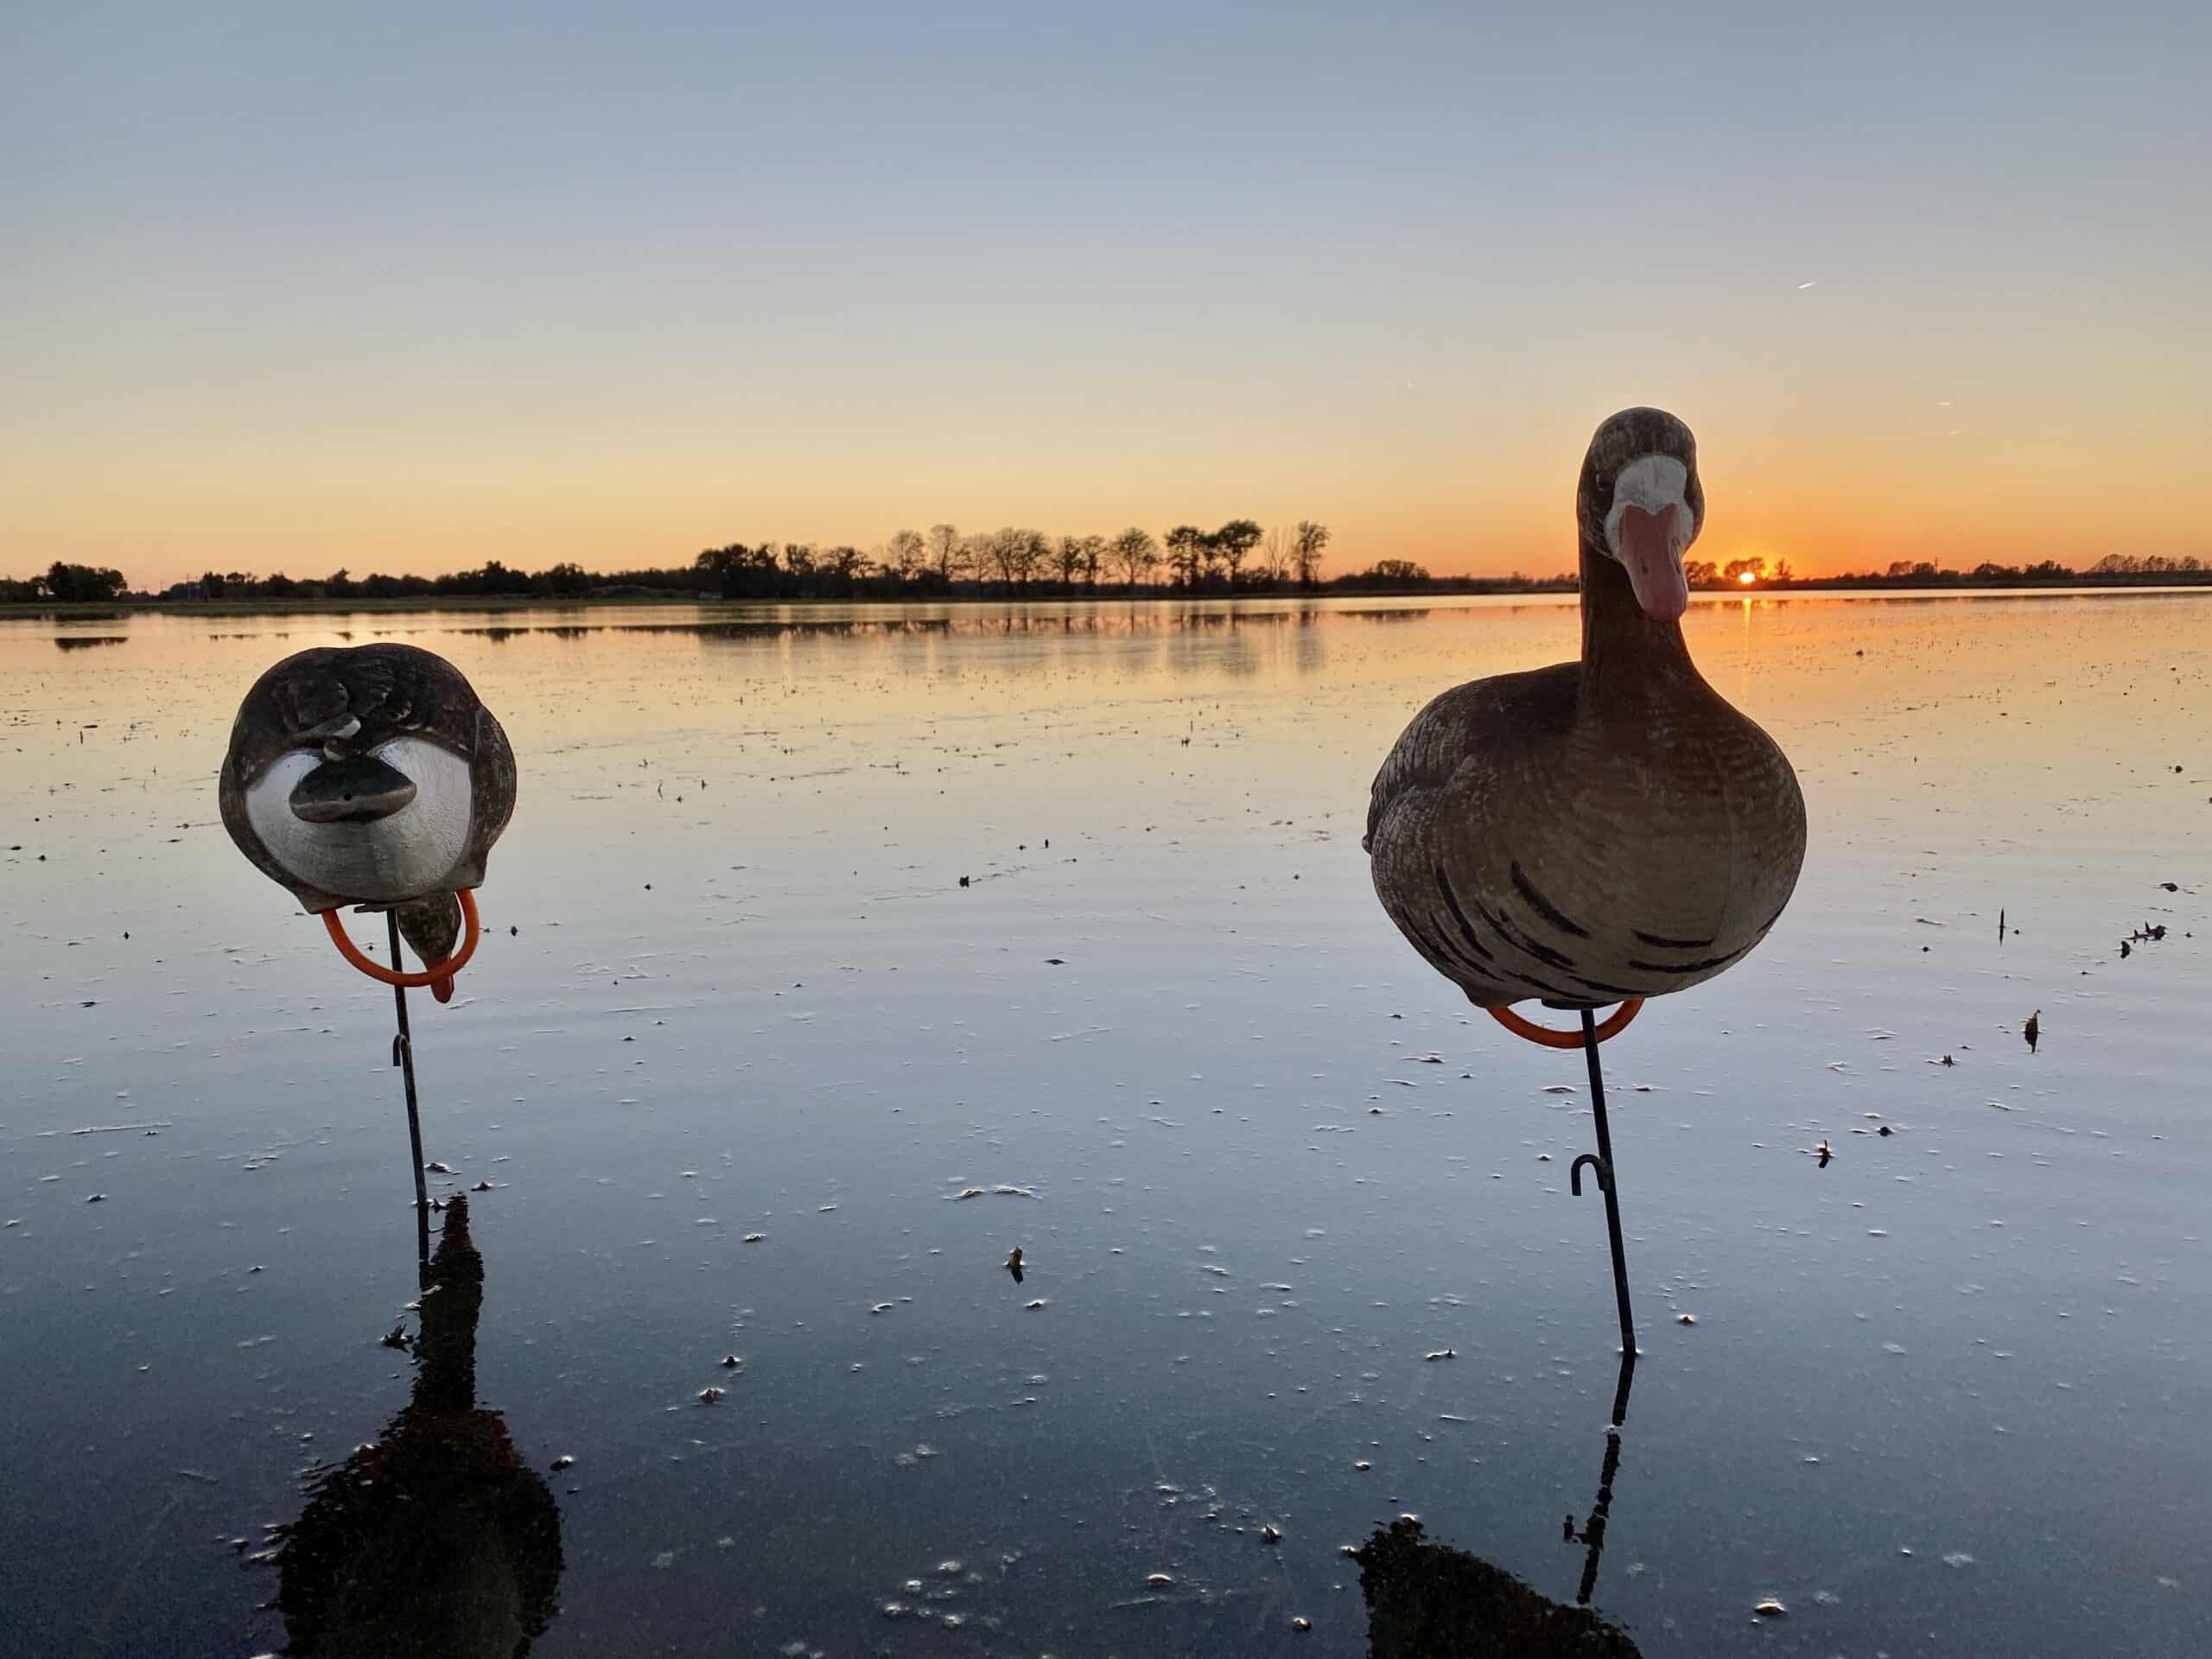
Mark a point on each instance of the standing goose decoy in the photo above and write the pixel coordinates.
(1599, 831)
(374, 776)
(370, 775)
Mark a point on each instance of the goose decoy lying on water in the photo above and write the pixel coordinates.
(1602, 831)
(370, 776)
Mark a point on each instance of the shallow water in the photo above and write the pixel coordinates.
(746, 992)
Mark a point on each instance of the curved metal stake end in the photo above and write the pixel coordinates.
(1597, 1170)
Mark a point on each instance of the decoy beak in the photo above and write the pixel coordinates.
(359, 789)
(1653, 559)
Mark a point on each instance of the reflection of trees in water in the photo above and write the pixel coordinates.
(86, 641)
(1383, 619)
(435, 1541)
(1102, 620)
(1427, 1600)
(1237, 640)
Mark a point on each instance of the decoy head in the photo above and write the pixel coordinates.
(1640, 505)
(369, 776)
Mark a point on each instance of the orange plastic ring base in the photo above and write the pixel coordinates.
(438, 976)
(1612, 1025)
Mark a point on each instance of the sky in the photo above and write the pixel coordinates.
(296, 286)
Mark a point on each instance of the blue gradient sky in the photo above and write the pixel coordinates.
(293, 286)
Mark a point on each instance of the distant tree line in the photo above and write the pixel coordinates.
(1238, 558)
(65, 584)
(2114, 569)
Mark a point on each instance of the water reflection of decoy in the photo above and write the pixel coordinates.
(1427, 1600)
(1593, 1530)
(1603, 830)
(437, 1540)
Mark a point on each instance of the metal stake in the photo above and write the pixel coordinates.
(402, 1056)
(1601, 1166)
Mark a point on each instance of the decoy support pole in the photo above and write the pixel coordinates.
(1601, 1167)
(402, 1056)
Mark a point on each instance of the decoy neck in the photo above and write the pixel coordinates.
(1639, 505)
(1620, 643)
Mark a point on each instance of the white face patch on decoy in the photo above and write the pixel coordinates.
(401, 855)
(1648, 529)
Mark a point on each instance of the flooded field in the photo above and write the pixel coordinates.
(833, 955)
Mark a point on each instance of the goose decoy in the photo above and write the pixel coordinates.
(372, 776)
(1599, 831)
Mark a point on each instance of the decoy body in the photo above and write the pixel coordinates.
(370, 776)
(1600, 829)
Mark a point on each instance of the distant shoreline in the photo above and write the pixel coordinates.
(1446, 587)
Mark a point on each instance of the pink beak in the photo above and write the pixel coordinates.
(1654, 569)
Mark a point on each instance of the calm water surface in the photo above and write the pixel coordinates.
(1947, 1395)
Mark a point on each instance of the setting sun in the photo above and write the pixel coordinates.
(1746, 577)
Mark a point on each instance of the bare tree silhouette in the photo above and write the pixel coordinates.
(1185, 546)
(1136, 555)
(1306, 544)
(947, 554)
(906, 556)
(1233, 544)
